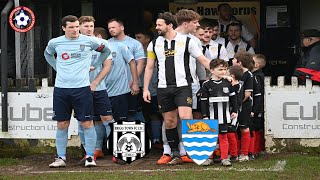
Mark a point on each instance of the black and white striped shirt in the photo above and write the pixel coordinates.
(173, 57)
(218, 99)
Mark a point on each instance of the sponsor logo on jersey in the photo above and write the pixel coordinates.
(199, 138)
(129, 141)
(65, 56)
(22, 19)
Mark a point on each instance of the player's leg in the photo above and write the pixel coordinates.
(62, 109)
(169, 112)
(120, 113)
(103, 113)
(82, 102)
(244, 119)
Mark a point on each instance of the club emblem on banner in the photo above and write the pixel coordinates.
(22, 19)
(200, 138)
(129, 141)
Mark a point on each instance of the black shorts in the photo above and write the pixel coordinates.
(223, 128)
(257, 122)
(171, 98)
(245, 115)
(152, 107)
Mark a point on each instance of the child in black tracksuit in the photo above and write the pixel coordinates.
(236, 73)
(257, 115)
(245, 61)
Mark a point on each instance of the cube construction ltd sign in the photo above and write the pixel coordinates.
(293, 114)
(30, 117)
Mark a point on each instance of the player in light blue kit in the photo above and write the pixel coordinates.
(116, 30)
(101, 103)
(117, 80)
(72, 85)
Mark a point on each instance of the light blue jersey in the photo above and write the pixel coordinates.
(73, 59)
(136, 49)
(95, 57)
(117, 81)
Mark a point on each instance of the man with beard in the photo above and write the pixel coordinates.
(172, 52)
(234, 43)
(116, 30)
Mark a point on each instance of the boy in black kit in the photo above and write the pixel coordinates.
(236, 73)
(257, 114)
(245, 61)
(218, 101)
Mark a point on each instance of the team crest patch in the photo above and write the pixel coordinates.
(129, 141)
(199, 138)
(225, 89)
(114, 54)
(82, 47)
(189, 100)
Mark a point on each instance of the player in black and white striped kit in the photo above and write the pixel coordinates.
(172, 52)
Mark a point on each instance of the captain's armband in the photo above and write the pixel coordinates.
(151, 55)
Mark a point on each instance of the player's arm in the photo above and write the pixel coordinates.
(141, 64)
(204, 97)
(102, 74)
(134, 74)
(104, 49)
(196, 52)
(257, 96)
(148, 72)
(49, 55)
(140, 57)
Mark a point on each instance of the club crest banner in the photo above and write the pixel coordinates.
(200, 138)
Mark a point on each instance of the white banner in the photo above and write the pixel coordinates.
(293, 114)
(30, 117)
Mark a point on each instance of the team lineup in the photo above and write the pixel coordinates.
(187, 68)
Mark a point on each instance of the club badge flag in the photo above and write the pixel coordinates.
(129, 141)
(199, 138)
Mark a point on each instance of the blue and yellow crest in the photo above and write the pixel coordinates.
(200, 138)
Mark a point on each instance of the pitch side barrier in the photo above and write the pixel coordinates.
(292, 113)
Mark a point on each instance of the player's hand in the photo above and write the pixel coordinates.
(92, 68)
(233, 115)
(252, 114)
(229, 78)
(93, 86)
(135, 89)
(146, 96)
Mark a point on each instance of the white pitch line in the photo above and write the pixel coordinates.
(279, 166)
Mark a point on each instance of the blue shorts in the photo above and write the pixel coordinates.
(101, 104)
(120, 107)
(78, 99)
